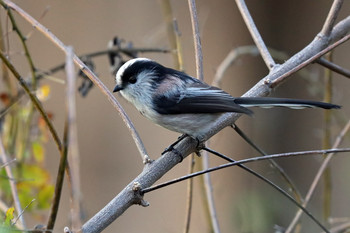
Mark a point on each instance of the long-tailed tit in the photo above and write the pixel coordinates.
(184, 104)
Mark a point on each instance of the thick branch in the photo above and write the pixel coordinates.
(127, 197)
(158, 168)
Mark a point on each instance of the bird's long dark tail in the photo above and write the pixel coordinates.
(267, 102)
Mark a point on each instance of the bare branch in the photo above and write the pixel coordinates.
(88, 72)
(274, 164)
(270, 63)
(189, 197)
(200, 76)
(171, 32)
(334, 67)
(230, 59)
(318, 176)
(310, 60)
(209, 194)
(244, 161)
(197, 39)
(332, 16)
(21, 214)
(126, 198)
(341, 228)
(73, 149)
(154, 171)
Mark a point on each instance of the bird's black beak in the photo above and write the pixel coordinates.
(118, 88)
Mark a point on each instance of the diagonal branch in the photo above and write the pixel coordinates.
(334, 67)
(318, 176)
(270, 63)
(87, 71)
(162, 165)
(154, 171)
(332, 16)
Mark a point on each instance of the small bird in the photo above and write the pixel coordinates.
(184, 104)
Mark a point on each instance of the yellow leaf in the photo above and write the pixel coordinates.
(9, 216)
(43, 92)
(38, 151)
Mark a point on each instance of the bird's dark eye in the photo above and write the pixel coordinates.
(132, 79)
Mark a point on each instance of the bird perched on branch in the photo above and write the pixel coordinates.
(184, 104)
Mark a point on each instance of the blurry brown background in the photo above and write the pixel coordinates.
(109, 158)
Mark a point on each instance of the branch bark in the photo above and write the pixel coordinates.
(162, 165)
(131, 194)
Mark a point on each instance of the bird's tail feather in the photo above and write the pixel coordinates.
(268, 102)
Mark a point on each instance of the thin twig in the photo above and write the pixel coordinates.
(7, 163)
(270, 63)
(20, 215)
(309, 60)
(326, 142)
(10, 82)
(34, 99)
(13, 186)
(318, 176)
(88, 72)
(332, 16)
(25, 47)
(14, 101)
(241, 162)
(209, 194)
(196, 39)
(154, 171)
(230, 59)
(234, 54)
(126, 51)
(273, 163)
(168, 19)
(59, 181)
(343, 228)
(244, 161)
(189, 196)
(200, 76)
(73, 149)
(334, 67)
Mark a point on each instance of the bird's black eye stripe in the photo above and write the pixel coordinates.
(133, 70)
(132, 79)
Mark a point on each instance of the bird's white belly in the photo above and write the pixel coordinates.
(194, 125)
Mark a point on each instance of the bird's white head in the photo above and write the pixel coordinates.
(135, 80)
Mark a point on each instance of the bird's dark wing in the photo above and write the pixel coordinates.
(197, 98)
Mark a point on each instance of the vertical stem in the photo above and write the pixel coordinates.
(189, 196)
(59, 182)
(168, 17)
(73, 149)
(327, 143)
(209, 194)
(197, 39)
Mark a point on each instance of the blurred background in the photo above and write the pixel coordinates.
(109, 158)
